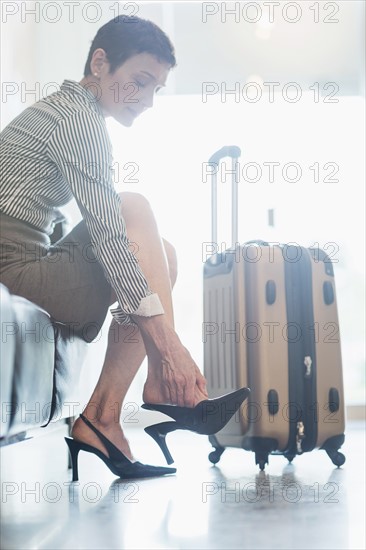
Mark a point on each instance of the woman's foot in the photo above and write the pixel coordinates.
(112, 430)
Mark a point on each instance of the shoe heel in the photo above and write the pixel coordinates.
(159, 432)
(74, 449)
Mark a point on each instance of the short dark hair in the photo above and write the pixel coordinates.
(125, 36)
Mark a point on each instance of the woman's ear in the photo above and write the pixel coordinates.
(99, 63)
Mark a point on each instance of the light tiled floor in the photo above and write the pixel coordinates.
(309, 504)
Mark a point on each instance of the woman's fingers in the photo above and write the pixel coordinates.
(189, 394)
(185, 389)
(201, 382)
(180, 390)
(179, 386)
(181, 381)
(175, 383)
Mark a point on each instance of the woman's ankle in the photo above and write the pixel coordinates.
(113, 431)
(103, 415)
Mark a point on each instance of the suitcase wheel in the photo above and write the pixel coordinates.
(331, 447)
(215, 455)
(261, 459)
(290, 457)
(338, 459)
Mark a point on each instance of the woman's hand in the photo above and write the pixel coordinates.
(173, 376)
(181, 380)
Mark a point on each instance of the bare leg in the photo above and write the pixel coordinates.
(126, 349)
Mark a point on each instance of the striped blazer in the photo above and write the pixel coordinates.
(58, 149)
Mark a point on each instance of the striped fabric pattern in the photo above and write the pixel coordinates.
(58, 149)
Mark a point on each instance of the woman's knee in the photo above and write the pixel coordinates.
(171, 256)
(135, 207)
(134, 203)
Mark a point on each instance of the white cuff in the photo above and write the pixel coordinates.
(149, 306)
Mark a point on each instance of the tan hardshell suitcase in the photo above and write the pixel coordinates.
(271, 323)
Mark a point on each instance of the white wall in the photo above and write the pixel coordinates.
(18, 65)
(45, 42)
(170, 143)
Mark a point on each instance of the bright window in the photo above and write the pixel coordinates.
(316, 192)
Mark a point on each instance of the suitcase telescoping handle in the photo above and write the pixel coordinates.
(234, 153)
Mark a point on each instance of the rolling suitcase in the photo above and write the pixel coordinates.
(271, 323)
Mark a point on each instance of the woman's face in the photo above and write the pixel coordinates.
(130, 90)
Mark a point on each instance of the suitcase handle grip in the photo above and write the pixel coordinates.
(234, 152)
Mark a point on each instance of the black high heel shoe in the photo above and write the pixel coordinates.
(206, 418)
(117, 462)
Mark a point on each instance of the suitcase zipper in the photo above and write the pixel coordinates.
(309, 383)
(308, 362)
(301, 352)
(299, 437)
(300, 425)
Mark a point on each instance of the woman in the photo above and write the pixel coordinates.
(58, 149)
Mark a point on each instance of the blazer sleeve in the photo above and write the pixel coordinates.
(81, 148)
